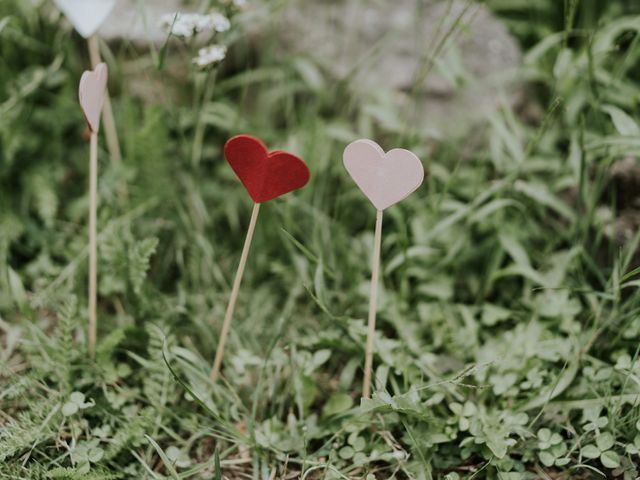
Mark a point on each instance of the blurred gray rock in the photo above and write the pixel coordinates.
(139, 20)
(455, 60)
(449, 63)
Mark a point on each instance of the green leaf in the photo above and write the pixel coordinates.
(4, 22)
(604, 441)
(70, 408)
(546, 458)
(494, 314)
(559, 449)
(624, 124)
(373, 403)
(217, 469)
(320, 357)
(496, 443)
(562, 66)
(165, 459)
(464, 424)
(544, 434)
(539, 193)
(77, 397)
(84, 467)
(338, 403)
(310, 73)
(469, 409)
(346, 452)
(456, 408)
(515, 250)
(17, 289)
(95, 455)
(610, 459)
(590, 451)
(358, 443)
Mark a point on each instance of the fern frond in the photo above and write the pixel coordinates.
(139, 258)
(64, 346)
(131, 433)
(32, 427)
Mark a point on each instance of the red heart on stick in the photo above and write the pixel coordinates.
(266, 175)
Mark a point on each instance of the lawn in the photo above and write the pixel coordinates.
(508, 324)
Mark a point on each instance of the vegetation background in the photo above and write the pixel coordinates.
(509, 322)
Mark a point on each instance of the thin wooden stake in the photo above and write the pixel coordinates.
(373, 305)
(93, 244)
(215, 371)
(110, 132)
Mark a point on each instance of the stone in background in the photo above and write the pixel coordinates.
(139, 20)
(385, 44)
(381, 44)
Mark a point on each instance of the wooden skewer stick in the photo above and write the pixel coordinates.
(215, 371)
(373, 305)
(111, 134)
(93, 244)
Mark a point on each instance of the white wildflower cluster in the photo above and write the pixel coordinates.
(210, 55)
(186, 25)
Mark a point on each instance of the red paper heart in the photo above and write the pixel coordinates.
(265, 175)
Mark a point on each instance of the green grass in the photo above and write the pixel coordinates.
(509, 319)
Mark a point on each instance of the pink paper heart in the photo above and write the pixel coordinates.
(93, 86)
(385, 178)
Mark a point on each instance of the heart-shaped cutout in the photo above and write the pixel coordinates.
(86, 16)
(266, 175)
(93, 86)
(385, 178)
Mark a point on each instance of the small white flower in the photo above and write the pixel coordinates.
(186, 25)
(177, 24)
(210, 55)
(220, 22)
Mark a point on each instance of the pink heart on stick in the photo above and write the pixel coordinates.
(93, 85)
(385, 178)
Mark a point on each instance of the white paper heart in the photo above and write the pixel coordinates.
(86, 16)
(385, 178)
(93, 86)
